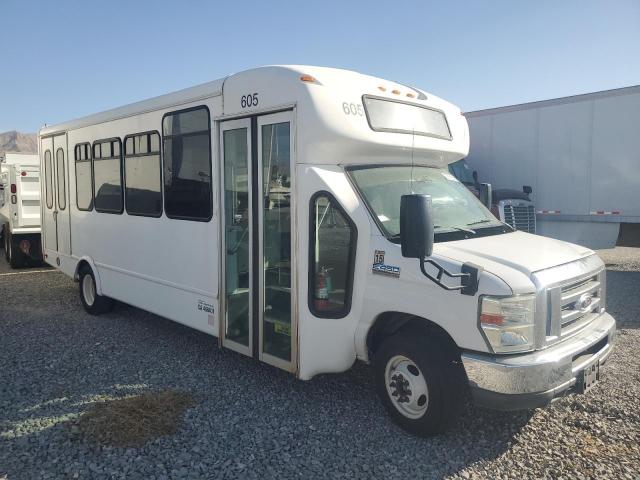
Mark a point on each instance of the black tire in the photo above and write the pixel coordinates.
(443, 375)
(100, 303)
(15, 257)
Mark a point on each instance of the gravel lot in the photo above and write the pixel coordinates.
(253, 421)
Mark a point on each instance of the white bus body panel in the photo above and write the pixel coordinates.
(578, 153)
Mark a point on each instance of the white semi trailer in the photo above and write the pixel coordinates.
(580, 154)
(20, 208)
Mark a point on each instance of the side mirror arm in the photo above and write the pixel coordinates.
(469, 276)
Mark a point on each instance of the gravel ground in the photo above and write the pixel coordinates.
(254, 421)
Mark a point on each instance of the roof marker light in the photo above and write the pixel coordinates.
(308, 78)
(410, 95)
(381, 88)
(395, 92)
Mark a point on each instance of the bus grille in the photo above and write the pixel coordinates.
(520, 217)
(575, 304)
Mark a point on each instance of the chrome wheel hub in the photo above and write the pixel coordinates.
(407, 387)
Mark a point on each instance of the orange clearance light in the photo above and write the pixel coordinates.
(395, 92)
(491, 319)
(382, 89)
(308, 78)
(410, 95)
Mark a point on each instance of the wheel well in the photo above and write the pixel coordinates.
(390, 323)
(80, 266)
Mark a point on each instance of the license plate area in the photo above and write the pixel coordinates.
(589, 376)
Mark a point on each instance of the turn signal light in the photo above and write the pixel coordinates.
(491, 319)
(13, 188)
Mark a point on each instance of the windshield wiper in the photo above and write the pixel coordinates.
(461, 229)
(486, 220)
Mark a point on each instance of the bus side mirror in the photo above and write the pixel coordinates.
(527, 189)
(416, 226)
(486, 192)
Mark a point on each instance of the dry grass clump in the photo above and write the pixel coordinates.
(133, 421)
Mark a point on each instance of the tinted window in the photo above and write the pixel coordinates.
(332, 254)
(48, 184)
(143, 195)
(393, 116)
(62, 190)
(84, 173)
(107, 176)
(186, 137)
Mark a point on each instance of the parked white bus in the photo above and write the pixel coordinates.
(20, 208)
(265, 209)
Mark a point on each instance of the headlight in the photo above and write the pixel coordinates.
(508, 322)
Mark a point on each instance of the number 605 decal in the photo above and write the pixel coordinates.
(352, 109)
(249, 100)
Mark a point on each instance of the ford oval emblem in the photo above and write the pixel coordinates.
(584, 302)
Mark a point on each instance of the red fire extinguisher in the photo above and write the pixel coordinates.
(322, 289)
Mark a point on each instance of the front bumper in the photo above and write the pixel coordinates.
(514, 382)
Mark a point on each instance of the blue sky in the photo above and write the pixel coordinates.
(64, 59)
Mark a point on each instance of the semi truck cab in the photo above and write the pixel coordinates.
(513, 207)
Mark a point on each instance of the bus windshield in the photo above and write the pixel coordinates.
(462, 172)
(455, 208)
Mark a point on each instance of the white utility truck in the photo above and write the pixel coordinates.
(20, 208)
(579, 154)
(305, 216)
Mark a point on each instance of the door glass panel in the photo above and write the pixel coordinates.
(276, 193)
(62, 190)
(48, 182)
(236, 201)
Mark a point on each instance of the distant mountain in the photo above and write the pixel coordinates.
(18, 142)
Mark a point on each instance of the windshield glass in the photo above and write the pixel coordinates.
(454, 207)
(462, 172)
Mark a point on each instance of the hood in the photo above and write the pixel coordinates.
(521, 251)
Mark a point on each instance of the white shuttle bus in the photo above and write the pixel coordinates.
(305, 216)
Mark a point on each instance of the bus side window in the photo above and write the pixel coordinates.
(186, 155)
(142, 178)
(332, 243)
(84, 175)
(107, 176)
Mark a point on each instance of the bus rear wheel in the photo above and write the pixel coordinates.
(419, 383)
(93, 303)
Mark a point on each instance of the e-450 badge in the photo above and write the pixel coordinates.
(382, 268)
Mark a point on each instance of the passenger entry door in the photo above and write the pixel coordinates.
(55, 195)
(48, 194)
(258, 316)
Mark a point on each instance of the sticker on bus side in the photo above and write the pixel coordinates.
(205, 307)
(381, 268)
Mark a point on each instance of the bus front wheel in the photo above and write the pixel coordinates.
(419, 383)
